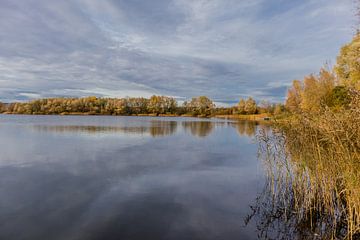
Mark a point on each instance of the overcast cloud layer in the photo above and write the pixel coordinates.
(225, 49)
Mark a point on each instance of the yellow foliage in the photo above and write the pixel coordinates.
(348, 64)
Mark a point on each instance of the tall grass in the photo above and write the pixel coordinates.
(313, 164)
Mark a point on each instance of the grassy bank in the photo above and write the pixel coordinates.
(249, 117)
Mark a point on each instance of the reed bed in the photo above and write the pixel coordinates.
(313, 166)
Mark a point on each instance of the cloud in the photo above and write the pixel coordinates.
(225, 49)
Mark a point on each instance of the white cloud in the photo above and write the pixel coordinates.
(221, 48)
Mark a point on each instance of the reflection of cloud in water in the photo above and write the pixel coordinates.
(130, 187)
(160, 205)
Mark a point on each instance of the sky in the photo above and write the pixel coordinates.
(224, 49)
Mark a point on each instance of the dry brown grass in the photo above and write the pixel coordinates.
(313, 164)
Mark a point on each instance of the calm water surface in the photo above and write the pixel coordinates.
(68, 177)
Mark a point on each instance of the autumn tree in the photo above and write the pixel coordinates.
(241, 106)
(2, 107)
(137, 105)
(278, 109)
(348, 64)
(317, 91)
(162, 104)
(294, 97)
(200, 105)
(250, 106)
(327, 81)
(310, 99)
(266, 107)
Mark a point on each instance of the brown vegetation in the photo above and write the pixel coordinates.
(313, 157)
(313, 165)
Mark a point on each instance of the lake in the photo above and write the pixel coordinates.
(105, 177)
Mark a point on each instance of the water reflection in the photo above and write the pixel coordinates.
(199, 128)
(66, 186)
(157, 128)
(90, 129)
(246, 128)
(163, 128)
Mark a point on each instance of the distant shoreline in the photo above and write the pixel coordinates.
(252, 117)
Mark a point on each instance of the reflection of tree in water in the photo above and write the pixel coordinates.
(246, 128)
(156, 129)
(162, 128)
(199, 128)
(89, 129)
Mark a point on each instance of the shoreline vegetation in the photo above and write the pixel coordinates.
(160, 106)
(312, 156)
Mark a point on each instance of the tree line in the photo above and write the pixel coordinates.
(155, 105)
(110, 106)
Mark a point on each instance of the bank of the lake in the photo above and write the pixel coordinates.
(244, 117)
